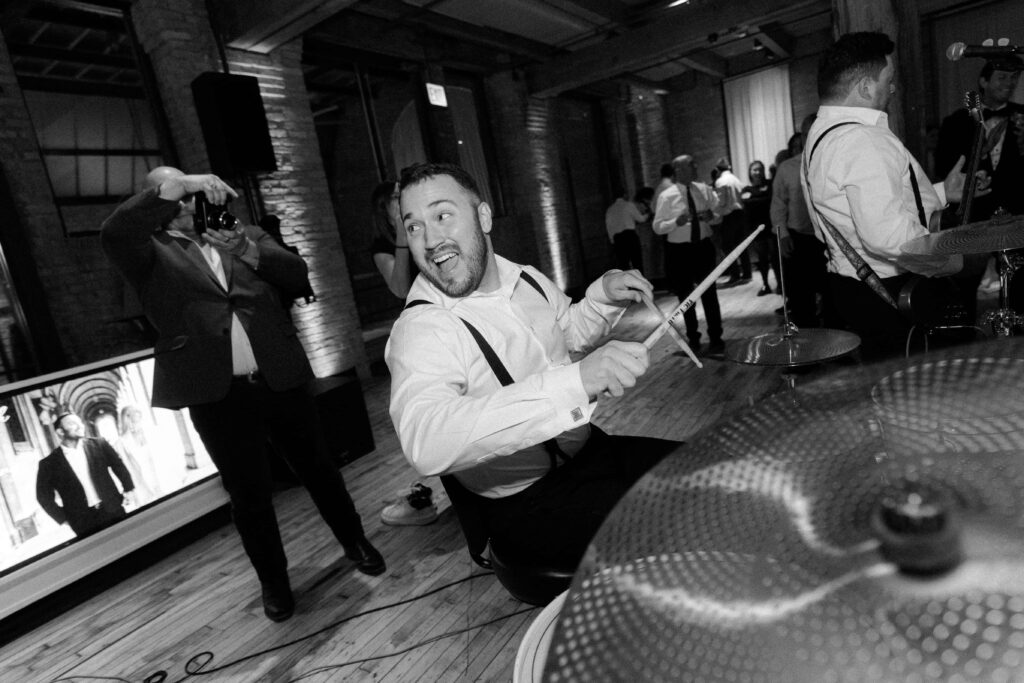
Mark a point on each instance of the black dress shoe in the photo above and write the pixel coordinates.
(368, 560)
(278, 603)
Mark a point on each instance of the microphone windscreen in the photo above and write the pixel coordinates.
(955, 51)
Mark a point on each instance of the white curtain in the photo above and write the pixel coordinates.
(760, 117)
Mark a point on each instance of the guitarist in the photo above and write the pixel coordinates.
(1001, 155)
(861, 182)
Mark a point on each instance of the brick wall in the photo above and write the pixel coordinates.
(696, 120)
(803, 88)
(82, 294)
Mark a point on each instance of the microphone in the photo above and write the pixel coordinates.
(958, 51)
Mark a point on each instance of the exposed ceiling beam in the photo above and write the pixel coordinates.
(71, 56)
(76, 17)
(401, 15)
(681, 30)
(775, 39)
(261, 26)
(80, 87)
(706, 62)
(605, 10)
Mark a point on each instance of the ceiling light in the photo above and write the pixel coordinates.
(676, 3)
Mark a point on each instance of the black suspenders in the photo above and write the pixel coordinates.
(555, 453)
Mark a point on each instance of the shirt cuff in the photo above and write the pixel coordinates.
(940, 189)
(572, 406)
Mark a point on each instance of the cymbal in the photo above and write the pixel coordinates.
(871, 531)
(997, 234)
(807, 346)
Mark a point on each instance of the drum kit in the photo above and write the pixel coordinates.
(871, 531)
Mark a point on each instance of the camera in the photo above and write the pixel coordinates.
(213, 216)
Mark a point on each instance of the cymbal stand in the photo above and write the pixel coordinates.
(1005, 321)
(788, 328)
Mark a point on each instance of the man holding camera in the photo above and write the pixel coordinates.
(228, 351)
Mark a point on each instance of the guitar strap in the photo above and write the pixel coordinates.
(554, 451)
(864, 271)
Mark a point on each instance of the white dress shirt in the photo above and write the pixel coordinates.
(76, 458)
(672, 203)
(729, 189)
(621, 216)
(450, 411)
(859, 182)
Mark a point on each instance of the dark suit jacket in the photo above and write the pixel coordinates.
(956, 137)
(55, 476)
(191, 311)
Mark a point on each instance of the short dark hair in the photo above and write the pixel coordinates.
(60, 418)
(723, 164)
(667, 170)
(1005, 63)
(849, 59)
(417, 173)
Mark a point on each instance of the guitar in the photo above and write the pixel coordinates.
(972, 101)
(931, 301)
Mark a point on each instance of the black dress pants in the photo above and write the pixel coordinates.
(553, 521)
(627, 250)
(882, 329)
(235, 432)
(805, 278)
(686, 265)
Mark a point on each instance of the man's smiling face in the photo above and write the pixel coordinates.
(446, 225)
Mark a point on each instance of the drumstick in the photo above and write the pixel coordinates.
(671, 330)
(688, 303)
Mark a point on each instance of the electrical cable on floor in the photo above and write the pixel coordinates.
(194, 667)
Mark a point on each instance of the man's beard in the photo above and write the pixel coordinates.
(474, 258)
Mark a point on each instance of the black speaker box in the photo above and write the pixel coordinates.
(234, 124)
(343, 417)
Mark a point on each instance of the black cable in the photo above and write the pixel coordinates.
(193, 667)
(428, 641)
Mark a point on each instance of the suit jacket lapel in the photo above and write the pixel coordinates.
(195, 255)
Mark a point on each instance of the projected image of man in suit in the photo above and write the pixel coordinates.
(79, 473)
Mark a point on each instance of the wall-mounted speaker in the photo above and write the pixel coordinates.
(234, 124)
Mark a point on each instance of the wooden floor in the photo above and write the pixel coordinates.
(205, 597)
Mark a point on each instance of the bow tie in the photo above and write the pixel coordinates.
(998, 113)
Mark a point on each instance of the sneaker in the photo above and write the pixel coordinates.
(414, 507)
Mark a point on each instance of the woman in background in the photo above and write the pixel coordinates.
(390, 246)
(757, 200)
(138, 454)
(414, 505)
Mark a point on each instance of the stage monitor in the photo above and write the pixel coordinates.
(46, 542)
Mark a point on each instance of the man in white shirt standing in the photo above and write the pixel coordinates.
(620, 220)
(483, 387)
(860, 179)
(683, 213)
(734, 223)
(79, 472)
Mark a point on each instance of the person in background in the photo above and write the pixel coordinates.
(803, 253)
(138, 454)
(621, 220)
(413, 505)
(734, 227)
(757, 199)
(1001, 162)
(390, 247)
(684, 214)
(228, 351)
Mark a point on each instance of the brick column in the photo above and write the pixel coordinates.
(298, 194)
(528, 148)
